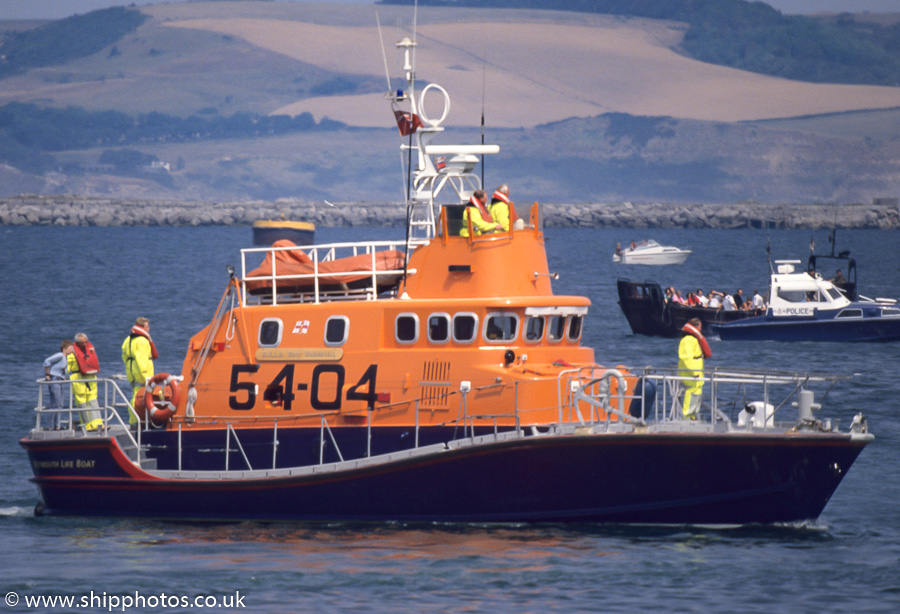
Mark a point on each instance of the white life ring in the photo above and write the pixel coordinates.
(434, 123)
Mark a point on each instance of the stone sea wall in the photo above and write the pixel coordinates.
(66, 210)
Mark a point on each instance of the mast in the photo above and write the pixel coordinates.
(430, 168)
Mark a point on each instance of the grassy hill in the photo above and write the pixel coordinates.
(239, 100)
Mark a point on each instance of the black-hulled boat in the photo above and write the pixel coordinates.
(648, 313)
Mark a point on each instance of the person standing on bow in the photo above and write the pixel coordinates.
(476, 212)
(502, 208)
(55, 367)
(692, 349)
(84, 365)
(138, 354)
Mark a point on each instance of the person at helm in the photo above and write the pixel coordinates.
(502, 209)
(476, 211)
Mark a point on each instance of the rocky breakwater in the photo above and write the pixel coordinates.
(68, 210)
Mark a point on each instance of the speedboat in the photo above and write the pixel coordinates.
(437, 378)
(805, 307)
(651, 252)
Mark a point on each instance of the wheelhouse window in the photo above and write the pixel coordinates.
(556, 327)
(465, 327)
(890, 312)
(439, 328)
(337, 328)
(406, 328)
(499, 327)
(270, 331)
(534, 328)
(575, 323)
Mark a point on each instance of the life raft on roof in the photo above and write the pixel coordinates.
(295, 272)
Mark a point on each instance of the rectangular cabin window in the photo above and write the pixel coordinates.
(501, 327)
(270, 333)
(534, 328)
(406, 328)
(890, 312)
(556, 328)
(575, 323)
(439, 328)
(465, 327)
(798, 296)
(337, 328)
(850, 313)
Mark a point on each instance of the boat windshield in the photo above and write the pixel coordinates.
(813, 295)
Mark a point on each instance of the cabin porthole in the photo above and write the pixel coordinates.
(270, 332)
(337, 329)
(406, 328)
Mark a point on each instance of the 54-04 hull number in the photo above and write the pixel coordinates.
(325, 388)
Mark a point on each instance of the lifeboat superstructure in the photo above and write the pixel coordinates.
(438, 378)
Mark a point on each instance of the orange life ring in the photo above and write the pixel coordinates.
(168, 405)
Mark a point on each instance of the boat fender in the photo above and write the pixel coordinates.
(641, 408)
(160, 414)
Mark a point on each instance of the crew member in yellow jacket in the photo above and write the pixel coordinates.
(476, 211)
(83, 364)
(692, 349)
(502, 209)
(138, 354)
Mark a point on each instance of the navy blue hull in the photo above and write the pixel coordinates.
(715, 479)
(769, 328)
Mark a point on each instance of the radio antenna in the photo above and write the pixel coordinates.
(387, 73)
(483, 87)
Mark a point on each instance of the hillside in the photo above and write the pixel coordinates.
(585, 108)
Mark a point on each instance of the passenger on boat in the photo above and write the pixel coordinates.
(715, 299)
(138, 354)
(618, 249)
(692, 349)
(702, 299)
(502, 208)
(476, 211)
(669, 293)
(728, 303)
(758, 301)
(739, 299)
(678, 298)
(84, 364)
(692, 300)
(55, 367)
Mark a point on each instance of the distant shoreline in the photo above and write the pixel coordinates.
(68, 210)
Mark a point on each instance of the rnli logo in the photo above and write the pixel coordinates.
(301, 327)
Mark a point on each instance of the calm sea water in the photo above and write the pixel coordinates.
(58, 281)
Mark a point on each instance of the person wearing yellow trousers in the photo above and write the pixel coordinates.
(692, 349)
(138, 354)
(83, 364)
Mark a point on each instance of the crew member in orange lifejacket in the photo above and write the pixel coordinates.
(83, 364)
(138, 354)
(476, 211)
(692, 349)
(502, 209)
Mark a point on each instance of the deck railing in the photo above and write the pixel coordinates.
(591, 397)
(285, 286)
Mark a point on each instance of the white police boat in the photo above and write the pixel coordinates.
(805, 307)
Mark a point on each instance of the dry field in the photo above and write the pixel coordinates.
(544, 68)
